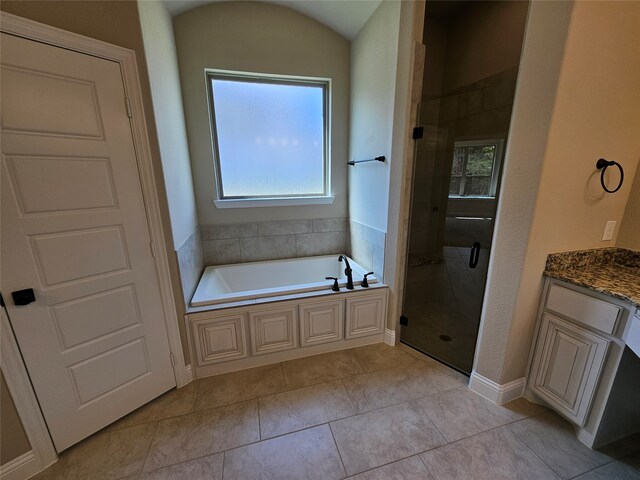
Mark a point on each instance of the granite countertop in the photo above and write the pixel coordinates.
(612, 271)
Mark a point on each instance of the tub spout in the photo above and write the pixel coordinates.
(347, 271)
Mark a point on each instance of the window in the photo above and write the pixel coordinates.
(476, 168)
(270, 137)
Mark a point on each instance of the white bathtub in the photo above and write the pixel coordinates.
(246, 281)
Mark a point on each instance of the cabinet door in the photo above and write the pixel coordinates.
(219, 339)
(365, 315)
(321, 322)
(273, 330)
(567, 365)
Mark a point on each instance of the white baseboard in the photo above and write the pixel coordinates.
(390, 337)
(188, 374)
(24, 466)
(494, 392)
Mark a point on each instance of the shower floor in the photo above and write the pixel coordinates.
(443, 303)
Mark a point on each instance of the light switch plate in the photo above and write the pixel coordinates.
(608, 230)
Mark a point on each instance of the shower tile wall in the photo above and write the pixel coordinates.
(191, 264)
(252, 242)
(479, 110)
(367, 247)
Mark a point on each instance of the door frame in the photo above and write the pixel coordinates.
(42, 453)
(126, 58)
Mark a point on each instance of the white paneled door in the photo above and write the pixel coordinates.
(74, 229)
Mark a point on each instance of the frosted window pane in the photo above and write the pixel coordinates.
(270, 138)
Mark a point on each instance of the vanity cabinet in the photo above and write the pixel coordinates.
(568, 364)
(575, 364)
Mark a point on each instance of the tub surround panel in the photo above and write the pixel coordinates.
(274, 240)
(367, 247)
(221, 252)
(266, 332)
(191, 264)
(273, 247)
(239, 230)
(612, 271)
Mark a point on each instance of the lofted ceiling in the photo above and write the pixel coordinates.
(346, 17)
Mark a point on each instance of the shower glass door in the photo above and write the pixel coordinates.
(467, 97)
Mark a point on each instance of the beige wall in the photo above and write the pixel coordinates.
(13, 439)
(374, 54)
(629, 234)
(594, 114)
(118, 23)
(259, 37)
(162, 62)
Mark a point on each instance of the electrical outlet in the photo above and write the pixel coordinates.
(608, 230)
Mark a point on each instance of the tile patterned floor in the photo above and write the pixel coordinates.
(372, 412)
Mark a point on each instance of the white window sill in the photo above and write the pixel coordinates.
(274, 202)
(473, 197)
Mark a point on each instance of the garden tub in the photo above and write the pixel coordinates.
(248, 281)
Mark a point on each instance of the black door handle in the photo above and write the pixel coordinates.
(23, 297)
(475, 255)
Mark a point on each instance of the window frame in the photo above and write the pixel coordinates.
(228, 201)
(495, 170)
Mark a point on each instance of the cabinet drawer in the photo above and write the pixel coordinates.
(590, 311)
(273, 330)
(568, 360)
(219, 339)
(365, 315)
(321, 322)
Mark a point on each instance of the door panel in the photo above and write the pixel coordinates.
(77, 97)
(74, 229)
(568, 360)
(47, 184)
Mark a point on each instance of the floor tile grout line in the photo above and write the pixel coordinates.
(112, 427)
(169, 465)
(342, 382)
(446, 440)
(521, 440)
(259, 419)
(614, 460)
(351, 400)
(411, 400)
(611, 460)
(419, 454)
(381, 408)
(335, 442)
(146, 455)
(426, 466)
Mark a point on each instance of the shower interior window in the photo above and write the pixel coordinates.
(476, 168)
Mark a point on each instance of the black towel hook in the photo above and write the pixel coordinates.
(602, 165)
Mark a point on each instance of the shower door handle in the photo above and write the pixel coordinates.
(475, 255)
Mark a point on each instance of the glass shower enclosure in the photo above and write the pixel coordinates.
(471, 67)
